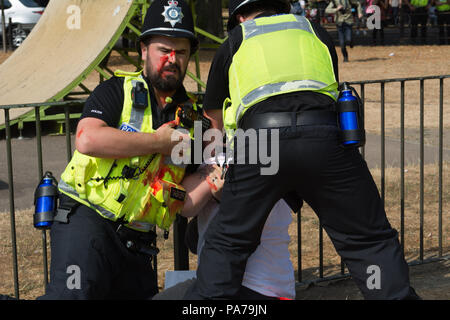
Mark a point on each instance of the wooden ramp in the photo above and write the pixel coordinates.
(58, 54)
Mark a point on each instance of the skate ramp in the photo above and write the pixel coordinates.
(59, 53)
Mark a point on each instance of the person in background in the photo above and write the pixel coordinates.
(395, 5)
(443, 20)
(342, 9)
(419, 15)
(432, 15)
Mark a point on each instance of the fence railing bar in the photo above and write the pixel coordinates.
(402, 165)
(180, 252)
(342, 266)
(38, 143)
(398, 79)
(299, 245)
(81, 101)
(383, 141)
(363, 99)
(40, 175)
(67, 128)
(422, 135)
(320, 250)
(49, 104)
(441, 147)
(12, 212)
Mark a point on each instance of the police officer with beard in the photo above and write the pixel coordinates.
(117, 186)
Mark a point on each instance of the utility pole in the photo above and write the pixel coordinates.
(3, 25)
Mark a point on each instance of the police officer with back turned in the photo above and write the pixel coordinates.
(278, 72)
(120, 183)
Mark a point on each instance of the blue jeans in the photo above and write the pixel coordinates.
(345, 34)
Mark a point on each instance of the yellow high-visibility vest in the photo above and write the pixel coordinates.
(279, 54)
(443, 7)
(419, 3)
(153, 197)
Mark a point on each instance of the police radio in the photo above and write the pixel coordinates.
(186, 116)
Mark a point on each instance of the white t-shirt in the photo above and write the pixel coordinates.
(269, 269)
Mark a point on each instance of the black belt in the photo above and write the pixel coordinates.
(288, 119)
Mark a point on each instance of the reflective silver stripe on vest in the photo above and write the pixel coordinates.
(273, 88)
(66, 188)
(137, 115)
(252, 29)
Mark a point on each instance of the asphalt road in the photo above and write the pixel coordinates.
(25, 167)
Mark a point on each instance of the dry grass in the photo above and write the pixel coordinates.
(29, 255)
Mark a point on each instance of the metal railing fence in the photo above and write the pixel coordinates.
(66, 105)
(442, 189)
(181, 257)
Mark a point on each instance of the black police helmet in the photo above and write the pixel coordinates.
(235, 6)
(170, 18)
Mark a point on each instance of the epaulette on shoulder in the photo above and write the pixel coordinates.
(123, 74)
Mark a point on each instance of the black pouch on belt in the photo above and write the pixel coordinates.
(65, 208)
(136, 241)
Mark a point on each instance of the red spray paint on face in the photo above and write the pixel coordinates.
(164, 59)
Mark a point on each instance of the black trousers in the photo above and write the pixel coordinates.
(419, 16)
(337, 184)
(89, 261)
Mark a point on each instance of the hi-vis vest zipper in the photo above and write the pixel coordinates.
(279, 54)
(153, 197)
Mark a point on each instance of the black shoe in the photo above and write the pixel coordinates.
(345, 59)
